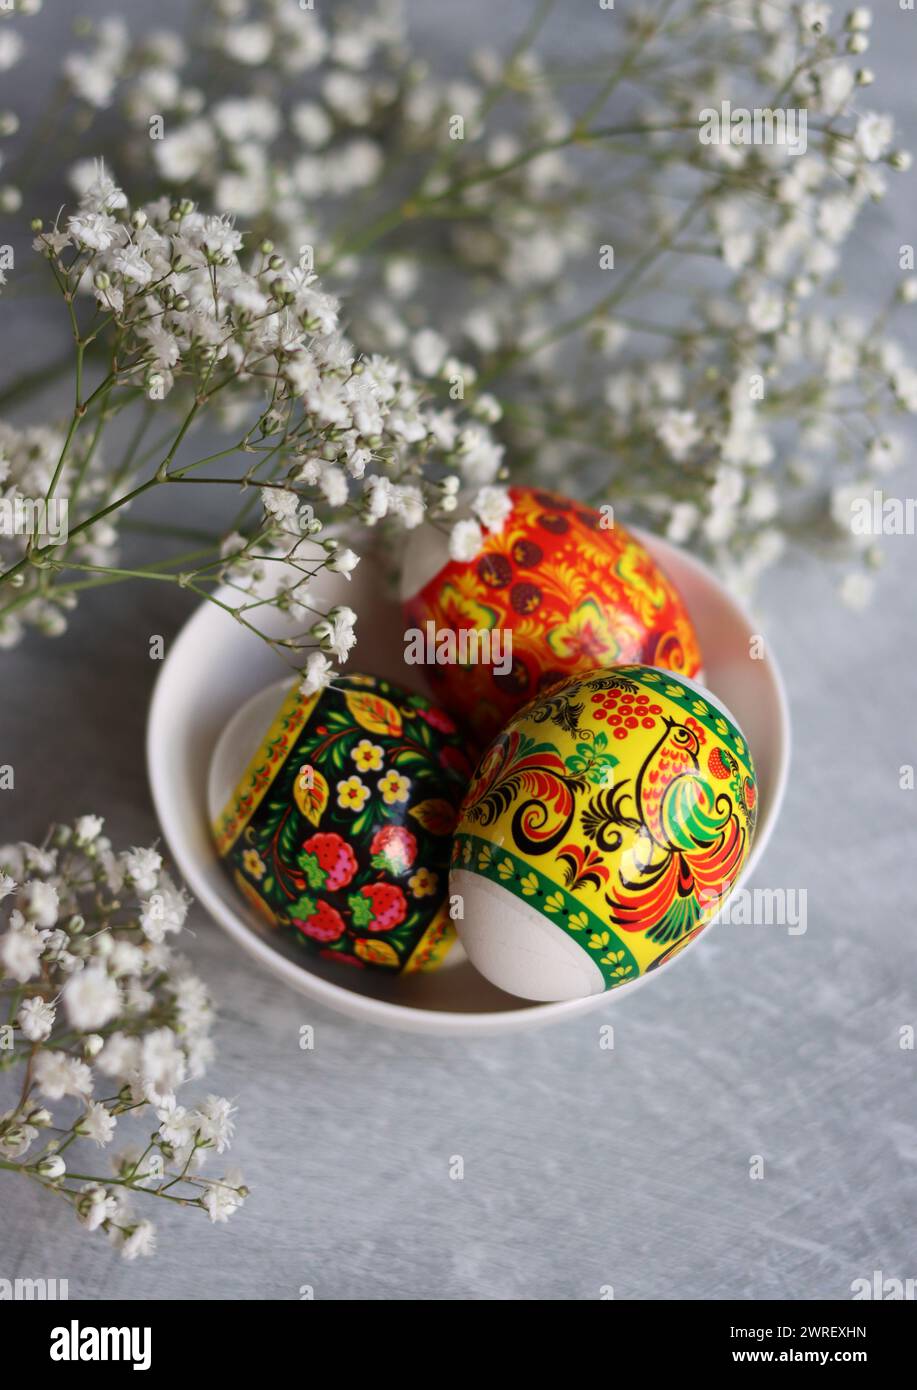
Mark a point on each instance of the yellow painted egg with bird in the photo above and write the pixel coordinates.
(601, 832)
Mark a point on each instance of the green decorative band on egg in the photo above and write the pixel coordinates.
(339, 829)
(601, 832)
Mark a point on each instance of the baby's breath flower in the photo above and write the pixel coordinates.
(679, 432)
(142, 866)
(336, 632)
(36, 1019)
(874, 135)
(164, 911)
(139, 1241)
(225, 1197)
(92, 999)
(87, 829)
(465, 540)
(97, 1124)
(492, 506)
(114, 1013)
(814, 16)
(343, 561)
(52, 1166)
(94, 1206)
(215, 1123)
(40, 902)
(318, 674)
(58, 1075)
(21, 948)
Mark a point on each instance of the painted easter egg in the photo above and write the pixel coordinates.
(601, 831)
(556, 592)
(338, 830)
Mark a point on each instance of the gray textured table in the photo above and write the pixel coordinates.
(583, 1167)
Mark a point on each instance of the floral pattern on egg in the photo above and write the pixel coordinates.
(574, 594)
(621, 807)
(339, 830)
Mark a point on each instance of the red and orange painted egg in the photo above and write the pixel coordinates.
(337, 829)
(573, 593)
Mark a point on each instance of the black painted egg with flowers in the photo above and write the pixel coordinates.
(339, 830)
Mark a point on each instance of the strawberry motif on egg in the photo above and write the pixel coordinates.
(561, 590)
(338, 830)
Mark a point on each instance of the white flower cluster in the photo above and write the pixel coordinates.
(469, 220)
(99, 1003)
(28, 459)
(184, 313)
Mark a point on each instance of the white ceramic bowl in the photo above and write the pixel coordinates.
(215, 664)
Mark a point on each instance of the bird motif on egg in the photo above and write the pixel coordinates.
(572, 593)
(338, 830)
(601, 832)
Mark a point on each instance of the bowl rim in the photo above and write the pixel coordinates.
(367, 1008)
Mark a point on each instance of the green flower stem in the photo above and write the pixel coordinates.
(101, 1180)
(604, 305)
(651, 30)
(418, 205)
(116, 573)
(345, 239)
(133, 444)
(184, 581)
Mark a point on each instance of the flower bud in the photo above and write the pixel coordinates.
(53, 1166)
